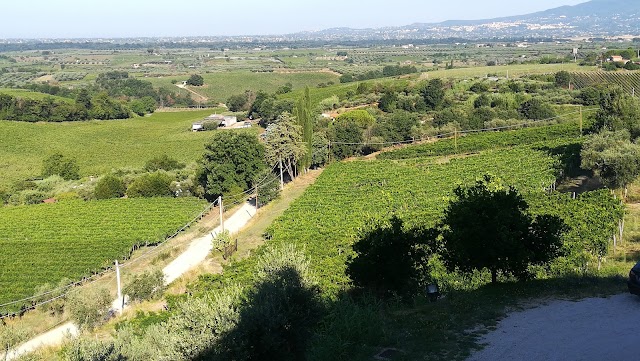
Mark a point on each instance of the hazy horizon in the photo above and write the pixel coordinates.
(145, 18)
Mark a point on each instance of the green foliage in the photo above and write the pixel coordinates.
(268, 187)
(231, 159)
(195, 80)
(156, 184)
(238, 102)
(89, 308)
(612, 157)
(57, 164)
(484, 141)
(488, 226)
(31, 247)
(110, 186)
(479, 87)
(320, 150)
(390, 259)
(279, 312)
(163, 162)
(563, 78)
(345, 138)
(536, 109)
(305, 118)
(361, 118)
(145, 286)
(284, 144)
(88, 349)
(433, 93)
(103, 107)
(618, 111)
(53, 292)
(146, 105)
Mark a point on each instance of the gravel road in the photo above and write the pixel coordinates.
(590, 329)
(197, 252)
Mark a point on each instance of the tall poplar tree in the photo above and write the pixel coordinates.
(304, 115)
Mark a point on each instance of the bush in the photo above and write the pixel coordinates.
(268, 187)
(156, 184)
(145, 286)
(389, 259)
(195, 80)
(58, 165)
(89, 307)
(162, 162)
(109, 187)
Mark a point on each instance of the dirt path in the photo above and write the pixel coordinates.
(203, 99)
(51, 338)
(197, 252)
(200, 248)
(590, 329)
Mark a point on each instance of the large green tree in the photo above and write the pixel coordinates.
(433, 93)
(284, 144)
(231, 161)
(612, 157)
(304, 115)
(488, 226)
(618, 111)
(390, 259)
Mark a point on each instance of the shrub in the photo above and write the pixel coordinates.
(156, 184)
(110, 186)
(145, 286)
(58, 165)
(195, 80)
(89, 307)
(162, 162)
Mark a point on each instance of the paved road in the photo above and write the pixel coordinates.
(591, 329)
(197, 252)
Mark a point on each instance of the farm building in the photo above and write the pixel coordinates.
(197, 127)
(617, 59)
(223, 120)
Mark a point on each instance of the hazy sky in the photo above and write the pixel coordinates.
(130, 18)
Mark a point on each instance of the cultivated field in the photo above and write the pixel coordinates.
(99, 146)
(79, 238)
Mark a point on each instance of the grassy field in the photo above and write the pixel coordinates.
(99, 146)
(79, 238)
(220, 85)
(21, 93)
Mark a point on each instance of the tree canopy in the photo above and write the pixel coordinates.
(612, 157)
(487, 226)
(231, 161)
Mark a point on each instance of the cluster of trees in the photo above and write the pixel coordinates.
(114, 95)
(389, 70)
(260, 105)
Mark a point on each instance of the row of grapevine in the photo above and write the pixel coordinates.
(326, 220)
(475, 142)
(627, 80)
(18, 78)
(48, 242)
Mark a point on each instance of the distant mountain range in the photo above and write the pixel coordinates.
(596, 18)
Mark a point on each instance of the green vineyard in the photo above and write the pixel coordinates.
(48, 242)
(629, 81)
(476, 142)
(347, 197)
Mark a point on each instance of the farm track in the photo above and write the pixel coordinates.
(195, 254)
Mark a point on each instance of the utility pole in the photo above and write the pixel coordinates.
(221, 214)
(581, 121)
(281, 176)
(120, 298)
(455, 137)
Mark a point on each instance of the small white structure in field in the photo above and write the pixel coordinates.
(223, 120)
(196, 127)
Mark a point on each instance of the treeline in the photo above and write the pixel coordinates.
(389, 70)
(114, 95)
